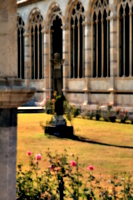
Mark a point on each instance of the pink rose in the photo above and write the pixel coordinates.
(29, 153)
(90, 167)
(38, 156)
(51, 167)
(122, 114)
(73, 163)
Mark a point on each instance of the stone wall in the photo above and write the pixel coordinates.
(92, 90)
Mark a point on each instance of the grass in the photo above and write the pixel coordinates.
(108, 146)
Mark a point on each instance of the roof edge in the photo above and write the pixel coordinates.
(26, 2)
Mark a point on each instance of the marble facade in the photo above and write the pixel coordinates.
(96, 89)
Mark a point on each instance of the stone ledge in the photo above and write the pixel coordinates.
(13, 94)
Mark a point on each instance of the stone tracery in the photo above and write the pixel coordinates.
(77, 41)
(35, 23)
(125, 10)
(101, 38)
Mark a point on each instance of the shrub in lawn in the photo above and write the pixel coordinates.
(85, 114)
(68, 111)
(98, 112)
(123, 116)
(76, 111)
(49, 105)
(63, 180)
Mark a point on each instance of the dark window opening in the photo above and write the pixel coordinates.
(127, 41)
(20, 48)
(121, 43)
(94, 45)
(99, 45)
(77, 42)
(105, 46)
(36, 47)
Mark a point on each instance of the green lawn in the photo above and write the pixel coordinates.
(105, 145)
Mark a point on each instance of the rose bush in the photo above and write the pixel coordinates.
(62, 180)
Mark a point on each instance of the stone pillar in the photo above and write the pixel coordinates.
(88, 54)
(27, 56)
(8, 140)
(113, 54)
(73, 26)
(66, 44)
(50, 86)
(12, 95)
(46, 62)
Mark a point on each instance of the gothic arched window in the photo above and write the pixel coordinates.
(36, 46)
(20, 26)
(125, 39)
(101, 38)
(77, 41)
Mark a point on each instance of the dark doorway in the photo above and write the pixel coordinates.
(57, 48)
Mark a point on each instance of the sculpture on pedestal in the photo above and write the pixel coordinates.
(58, 125)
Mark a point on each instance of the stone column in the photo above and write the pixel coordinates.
(65, 33)
(73, 26)
(113, 54)
(46, 61)
(87, 32)
(27, 56)
(50, 88)
(12, 95)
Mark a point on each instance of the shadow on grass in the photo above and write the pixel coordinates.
(86, 140)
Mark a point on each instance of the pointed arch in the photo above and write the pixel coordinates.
(125, 13)
(100, 11)
(75, 17)
(35, 29)
(54, 22)
(53, 12)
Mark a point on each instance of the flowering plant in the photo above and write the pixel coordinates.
(123, 116)
(118, 111)
(62, 180)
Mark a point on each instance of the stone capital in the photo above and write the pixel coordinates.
(86, 23)
(46, 31)
(65, 27)
(26, 34)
